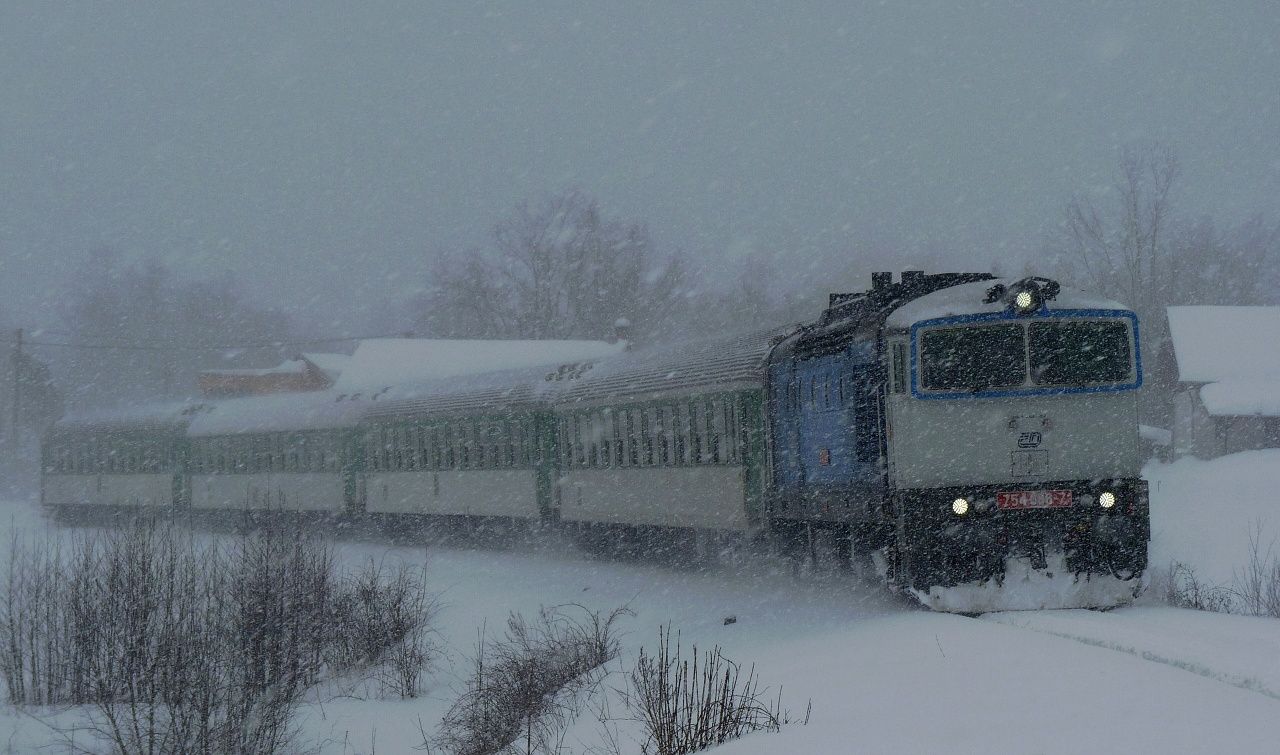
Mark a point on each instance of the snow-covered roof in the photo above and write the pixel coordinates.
(501, 391)
(382, 362)
(969, 299)
(290, 367)
(170, 416)
(1242, 396)
(728, 361)
(1226, 343)
(332, 365)
(277, 412)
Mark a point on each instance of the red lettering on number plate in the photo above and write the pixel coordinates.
(1033, 499)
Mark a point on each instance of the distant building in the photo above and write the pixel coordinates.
(1227, 397)
(306, 372)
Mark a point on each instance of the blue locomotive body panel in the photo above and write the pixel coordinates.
(827, 429)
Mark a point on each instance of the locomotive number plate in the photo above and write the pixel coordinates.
(1033, 499)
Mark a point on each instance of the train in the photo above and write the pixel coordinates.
(973, 438)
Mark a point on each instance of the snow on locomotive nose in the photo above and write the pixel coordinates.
(984, 443)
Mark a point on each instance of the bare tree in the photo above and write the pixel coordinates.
(558, 269)
(1123, 250)
(1232, 267)
(147, 334)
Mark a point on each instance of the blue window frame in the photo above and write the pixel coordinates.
(993, 317)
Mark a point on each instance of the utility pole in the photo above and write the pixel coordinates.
(17, 386)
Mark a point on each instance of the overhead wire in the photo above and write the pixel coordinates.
(156, 346)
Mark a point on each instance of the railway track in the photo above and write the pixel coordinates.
(1240, 651)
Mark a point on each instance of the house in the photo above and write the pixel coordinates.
(305, 372)
(1227, 396)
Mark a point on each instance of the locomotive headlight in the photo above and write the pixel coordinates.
(1107, 500)
(960, 506)
(1024, 300)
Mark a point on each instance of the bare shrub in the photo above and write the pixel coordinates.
(686, 707)
(1258, 584)
(181, 647)
(1185, 590)
(515, 697)
(379, 619)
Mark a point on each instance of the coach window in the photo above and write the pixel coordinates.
(470, 445)
(595, 438)
(661, 423)
(496, 440)
(462, 434)
(731, 429)
(697, 432)
(566, 440)
(439, 446)
(579, 451)
(715, 430)
(679, 434)
(479, 445)
(602, 435)
(505, 449)
(648, 431)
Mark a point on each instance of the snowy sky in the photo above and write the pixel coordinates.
(313, 147)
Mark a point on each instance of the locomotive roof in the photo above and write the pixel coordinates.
(280, 412)
(171, 416)
(969, 299)
(729, 362)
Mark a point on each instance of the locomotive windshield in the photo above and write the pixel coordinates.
(1078, 353)
(974, 358)
(1056, 353)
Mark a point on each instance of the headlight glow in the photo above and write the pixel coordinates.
(1107, 500)
(960, 506)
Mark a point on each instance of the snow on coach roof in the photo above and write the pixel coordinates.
(489, 391)
(311, 410)
(381, 362)
(723, 361)
(970, 299)
(173, 415)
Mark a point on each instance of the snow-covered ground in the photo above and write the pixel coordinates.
(1204, 512)
(882, 674)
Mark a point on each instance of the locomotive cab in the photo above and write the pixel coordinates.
(978, 436)
(1013, 449)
